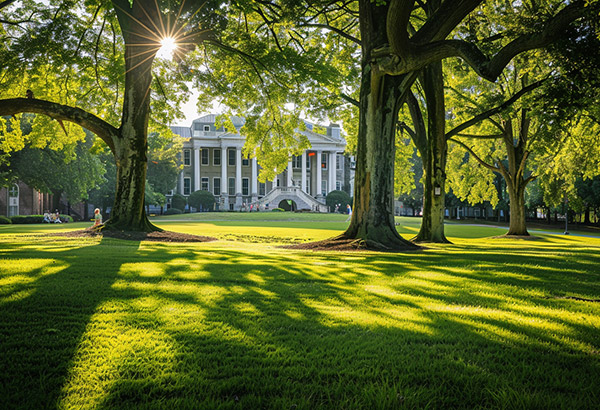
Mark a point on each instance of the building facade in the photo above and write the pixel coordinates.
(20, 199)
(213, 161)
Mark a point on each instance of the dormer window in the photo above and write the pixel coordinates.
(206, 128)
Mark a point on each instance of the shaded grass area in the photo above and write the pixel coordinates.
(111, 324)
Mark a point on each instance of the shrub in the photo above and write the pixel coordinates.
(173, 211)
(277, 210)
(338, 197)
(4, 220)
(66, 218)
(178, 201)
(202, 200)
(27, 219)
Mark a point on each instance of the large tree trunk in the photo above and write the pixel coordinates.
(517, 225)
(434, 159)
(130, 145)
(373, 217)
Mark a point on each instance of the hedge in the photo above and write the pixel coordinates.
(173, 211)
(4, 220)
(37, 219)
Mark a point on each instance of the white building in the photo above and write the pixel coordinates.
(213, 161)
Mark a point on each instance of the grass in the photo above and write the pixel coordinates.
(242, 323)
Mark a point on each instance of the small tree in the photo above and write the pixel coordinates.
(338, 198)
(203, 200)
(178, 201)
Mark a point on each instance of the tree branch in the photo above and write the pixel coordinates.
(420, 52)
(486, 114)
(101, 128)
(6, 3)
(334, 29)
(420, 134)
(482, 162)
(349, 99)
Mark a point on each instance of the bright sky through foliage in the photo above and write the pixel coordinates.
(168, 46)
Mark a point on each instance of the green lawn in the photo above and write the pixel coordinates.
(242, 323)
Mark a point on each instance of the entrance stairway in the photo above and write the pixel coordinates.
(296, 194)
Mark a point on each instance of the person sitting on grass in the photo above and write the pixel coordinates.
(47, 217)
(97, 218)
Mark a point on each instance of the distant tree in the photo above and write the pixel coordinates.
(202, 200)
(340, 198)
(178, 201)
(163, 163)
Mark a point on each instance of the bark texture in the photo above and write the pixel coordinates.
(434, 150)
(372, 222)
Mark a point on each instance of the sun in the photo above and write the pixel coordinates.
(167, 48)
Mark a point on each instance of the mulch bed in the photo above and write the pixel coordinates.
(164, 236)
(345, 245)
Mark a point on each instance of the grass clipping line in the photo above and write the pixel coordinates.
(157, 236)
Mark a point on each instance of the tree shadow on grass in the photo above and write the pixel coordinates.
(273, 332)
(44, 315)
(173, 326)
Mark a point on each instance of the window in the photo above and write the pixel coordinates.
(339, 162)
(296, 161)
(245, 161)
(216, 156)
(324, 161)
(262, 188)
(231, 187)
(13, 201)
(187, 159)
(308, 186)
(207, 128)
(170, 193)
(204, 156)
(187, 186)
(308, 160)
(204, 186)
(338, 185)
(324, 188)
(216, 186)
(245, 182)
(231, 157)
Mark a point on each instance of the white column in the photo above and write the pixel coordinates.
(224, 171)
(332, 170)
(254, 180)
(238, 170)
(196, 169)
(289, 173)
(319, 175)
(304, 171)
(181, 183)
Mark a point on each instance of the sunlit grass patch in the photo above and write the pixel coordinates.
(480, 323)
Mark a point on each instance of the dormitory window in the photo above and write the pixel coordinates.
(324, 161)
(231, 154)
(261, 188)
(186, 157)
(187, 186)
(207, 128)
(216, 157)
(296, 161)
(338, 164)
(217, 186)
(204, 184)
(245, 161)
(338, 185)
(231, 186)
(205, 156)
(245, 186)
(324, 188)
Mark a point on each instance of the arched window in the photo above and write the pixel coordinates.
(13, 200)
